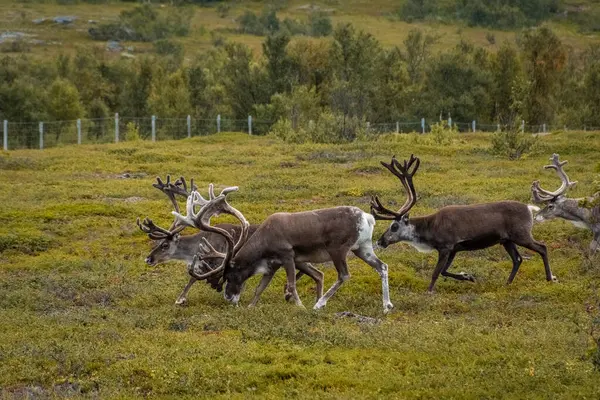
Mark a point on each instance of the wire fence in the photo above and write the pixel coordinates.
(27, 135)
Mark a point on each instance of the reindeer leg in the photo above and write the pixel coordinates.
(366, 254)
(516, 258)
(595, 243)
(288, 295)
(290, 270)
(315, 274)
(182, 299)
(264, 282)
(343, 275)
(539, 248)
(463, 276)
(443, 257)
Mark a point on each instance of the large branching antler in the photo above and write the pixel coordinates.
(541, 195)
(179, 187)
(215, 205)
(405, 172)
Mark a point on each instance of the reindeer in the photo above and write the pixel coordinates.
(582, 212)
(458, 228)
(288, 240)
(173, 246)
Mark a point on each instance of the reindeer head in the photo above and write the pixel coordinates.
(168, 239)
(216, 205)
(401, 228)
(553, 201)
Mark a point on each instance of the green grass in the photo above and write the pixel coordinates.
(374, 17)
(82, 315)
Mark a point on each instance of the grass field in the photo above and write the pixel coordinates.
(82, 315)
(374, 17)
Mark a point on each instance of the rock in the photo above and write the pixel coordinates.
(39, 21)
(113, 45)
(64, 19)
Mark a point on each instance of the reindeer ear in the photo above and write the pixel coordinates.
(405, 218)
(176, 237)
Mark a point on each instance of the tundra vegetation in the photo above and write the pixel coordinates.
(82, 315)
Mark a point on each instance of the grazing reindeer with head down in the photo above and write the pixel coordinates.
(458, 228)
(173, 246)
(583, 212)
(287, 239)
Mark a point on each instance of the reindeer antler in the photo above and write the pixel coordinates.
(542, 195)
(405, 174)
(201, 220)
(155, 232)
(170, 189)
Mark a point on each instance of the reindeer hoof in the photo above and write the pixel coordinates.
(554, 279)
(387, 308)
(467, 277)
(288, 296)
(181, 302)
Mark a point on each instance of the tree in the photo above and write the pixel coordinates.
(543, 58)
(418, 49)
(278, 62)
(137, 91)
(505, 72)
(63, 102)
(245, 84)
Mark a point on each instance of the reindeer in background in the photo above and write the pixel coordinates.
(582, 212)
(458, 228)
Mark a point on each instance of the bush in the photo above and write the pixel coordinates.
(167, 47)
(512, 143)
(146, 24)
(320, 24)
(132, 132)
(442, 134)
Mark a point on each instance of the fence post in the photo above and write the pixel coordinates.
(116, 127)
(41, 135)
(422, 125)
(474, 125)
(544, 128)
(368, 126)
(154, 128)
(189, 126)
(78, 131)
(522, 125)
(250, 124)
(498, 127)
(449, 122)
(397, 127)
(219, 123)
(5, 134)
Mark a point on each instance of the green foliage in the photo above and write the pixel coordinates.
(512, 143)
(442, 134)
(63, 101)
(499, 14)
(146, 24)
(132, 132)
(320, 24)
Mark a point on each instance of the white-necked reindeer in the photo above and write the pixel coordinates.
(287, 239)
(458, 228)
(583, 212)
(173, 246)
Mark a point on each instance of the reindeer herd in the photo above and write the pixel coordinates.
(228, 255)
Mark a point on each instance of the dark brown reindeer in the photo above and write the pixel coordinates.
(583, 212)
(458, 228)
(173, 246)
(288, 240)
